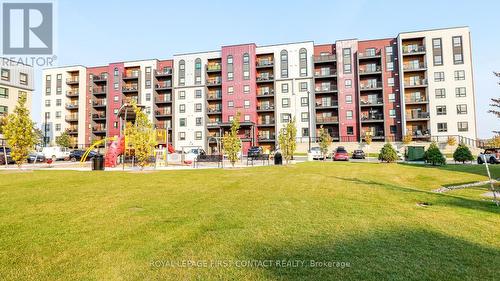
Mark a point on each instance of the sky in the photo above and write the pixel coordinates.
(97, 32)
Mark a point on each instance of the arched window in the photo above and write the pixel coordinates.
(230, 70)
(246, 66)
(284, 64)
(182, 73)
(116, 72)
(303, 62)
(197, 71)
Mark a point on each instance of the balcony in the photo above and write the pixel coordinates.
(71, 106)
(325, 89)
(371, 102)
(325, 58)
(213, 124)
(99, 130)
(327, 119)
(265, 92)
(130, 89)
(369, 55)
(164, 72)
(326, 105)
(99, 116)
(370, 86)
(163, 99)
(370, 70)
(375, 134)
(214, 110)
(72, 131)
(214, 82)
(163, 125)
(71, 118)
(417, 116)
(267, 138)
(415, 83)
(131, 75)
(99, 78)
(328, 73)
(214, 96)
(413, 50)
(99, 90)
(264, 63)
(214, 67)
(414, 66)
(71, 94)
(163, 113)
(266, 122)
(72, 80)
(99, 103)
(265, 108)
(416, 100)
(372, 117)
(264, 78)
(163, 86)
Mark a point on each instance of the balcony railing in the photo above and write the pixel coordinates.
(378, 101)
(265, 78)
(71, 94)
(418, 115)
(269, 121)
(370, 54)
(217, 81)
(413, 49)
(322, 89)
(367, 86)
(99, 116)
(163, 85)
(99, 129)
(214, 109)
(264, 63)
(131, 75)
(327, 119)
(372, 117)
(98, 78)
(265, 92)
(72, 80)
(415, 83)
(165, 98)
(415, 99)
(367, 70)
(265, 107)
(211, 123)
(270, 137)
(71, 105)
(325, 58)
(413, 66)
(163, 112)
(99, 90)
(163, 72)
(72, 130)
(325, 73)
(320, 104)
(130, 88)
(72, 117)
(99, 102)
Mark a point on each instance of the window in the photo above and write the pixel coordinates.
(230, 118)
(197, 107)
(285, 102)
(230, 69)
(197, 94)
(461, 109)
(346, 55)
(393, 129)
(115, 111)
(230, 90)
(58, 114)
(247, 118)
(5, 74)
(115, 125)
(246, 89)
(246, 104)
(230, 104)
(304, 101)
(285, 117)
(4, 109)
(390, 82)
(442, 127)
(182, 95)
(303, 62)
(348, 83)
(58, 102)
(182, 136)
(305, 132)
(389, 58)
(459, 75)
(148, 96)
(392, 97)
(48, 78)
(441, 110)
(116, 98)
(59, 77)
(284, 88)
(197, 135)
(463, 126)
(392, 113)
(182, 73)
(23, 78)
(4, 93)
(304, 117)
(116, 86)
(148, 84)
(284, 64)
(182, 108)
(458, 56)
(47, 103)
(460, 92)
(350, 130)
(440, 93)
(197, 71)
(59, 91)
(246, 66)
(437, 51)
(349, 114)
(47, 115)
(198, 121)
(348, 99)
(182, 122)
(303, 86)
(115, 72)
(439, 76)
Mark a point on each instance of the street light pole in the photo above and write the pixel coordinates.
(309, 118)
(45, 131)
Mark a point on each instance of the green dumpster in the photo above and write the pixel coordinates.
(415, 153)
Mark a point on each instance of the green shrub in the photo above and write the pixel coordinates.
(462, 154)
(434, 156)
(388, 153)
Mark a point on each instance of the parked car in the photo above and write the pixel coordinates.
(193, 153)
(492, 155)
(358, 154)
(56, 152)
(254, 151)
(36, 156)
(340, 154)
(315, 153)
(76, 155)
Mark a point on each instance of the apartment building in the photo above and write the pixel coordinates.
(418, 83)
(16, 79)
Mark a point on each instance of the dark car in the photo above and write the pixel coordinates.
(254, 151)
(358, 154)
(39, 157)
(76, 155)
(340, 154)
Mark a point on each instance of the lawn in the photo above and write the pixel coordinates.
(263, 223)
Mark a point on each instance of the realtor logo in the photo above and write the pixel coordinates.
(27, 28)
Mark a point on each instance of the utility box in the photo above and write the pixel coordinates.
(415, 153)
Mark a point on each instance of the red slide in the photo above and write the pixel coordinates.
(171, 149)
(115, 149)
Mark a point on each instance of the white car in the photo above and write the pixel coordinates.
(492, 155)
(315, 153)
(55, 152)
(191, 154)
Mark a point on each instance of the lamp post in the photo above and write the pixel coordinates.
(309, 118)
(45, 130)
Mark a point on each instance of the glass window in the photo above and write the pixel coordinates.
(284, 64)
(285, 102)
(390, 82)
(58, 114)
(198, 121)
(303, 62)
(246, 66)
(393, 129)
(47, 103)
(460, 92)
(197, 71)
(230, 68)
(346, 55)
(461, 109)
(148, 96)
(182, 73)
(197, 107)
(115, 72)
(58, 102)
(246, 89)
(392, 113)
(182, 108)
(442, 127)
(304, 117)
(4, 93)
(4, 109)
(246, 104)
(389, 58)
(23, 78)
(182, 136)
(230, 104)
(459, 75)
(198, 135)
(350, 130)
(463, 126)
(437, 51)
(439, 76)
(230, 90)
(458, 57)
(441, 110)
(305, 132)
(392, 97)
(348, 99)
(304, 101)
(182, 122)
(349, 114)
(285, 117)
(182, 95)
(303, 86)
(348, 83)
(440, 93)
(198, 94)
(5, 74)
(284, 88)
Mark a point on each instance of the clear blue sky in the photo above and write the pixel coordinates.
(99, 32)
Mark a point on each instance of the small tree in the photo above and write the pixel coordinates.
(494, 142)
(3, 122)
(368, 138)
(434, 156)
(19, 132)
(324, 141)
(451, 141)
(462, 154)
(141, 136)
(287, 140)
(63, 140)
(388, 153)
(407, 138)
(231, 142)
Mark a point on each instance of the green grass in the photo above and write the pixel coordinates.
(69, 225)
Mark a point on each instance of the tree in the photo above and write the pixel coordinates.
(495, 104)
(407, 138)
(434, 156)
(462, 154)
(287, 140)
(19, 132)
(141, 136)
(368, 138)
(63, 140)
(3, 122)
(388, 153)
(231, 142)
(494, 142)
(451, 141)
(324, 141)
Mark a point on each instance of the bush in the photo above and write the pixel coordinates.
(434, 156)
(388, 153)
(462, 154)
(407, 138)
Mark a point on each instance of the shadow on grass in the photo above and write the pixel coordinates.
(433, 197)
(464, 168)
(392, 255)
